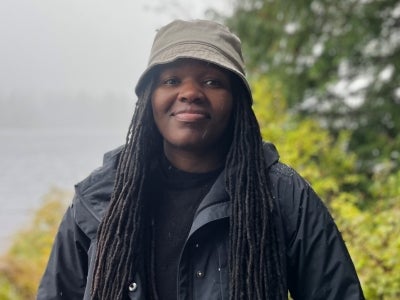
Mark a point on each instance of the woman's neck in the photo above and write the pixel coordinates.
(194, 161)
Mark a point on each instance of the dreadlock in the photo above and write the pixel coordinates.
(118, 251)
(255, 255)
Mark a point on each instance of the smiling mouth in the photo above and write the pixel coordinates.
(190, 116)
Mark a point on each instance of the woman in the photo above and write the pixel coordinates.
(195, 205)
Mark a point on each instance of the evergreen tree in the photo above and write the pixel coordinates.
(338, 60)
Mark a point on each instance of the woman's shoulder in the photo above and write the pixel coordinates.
(293, 196)
(280, 173)
(102, 176)
(93, 194)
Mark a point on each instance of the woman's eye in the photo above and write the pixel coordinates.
(170, 81)
(213, 83)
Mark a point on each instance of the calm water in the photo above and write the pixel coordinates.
(32, 161)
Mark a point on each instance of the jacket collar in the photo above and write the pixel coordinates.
(93, 194)
(216, 204)
(270, 153)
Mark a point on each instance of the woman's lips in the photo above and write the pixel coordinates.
(190, 116)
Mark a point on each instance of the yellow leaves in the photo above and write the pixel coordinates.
(303, 144)
(374, 243)
(22, 266)
(7, 290)
(372, 234)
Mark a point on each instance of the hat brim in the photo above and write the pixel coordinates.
(187, 50)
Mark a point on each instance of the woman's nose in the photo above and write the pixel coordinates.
(190, 91)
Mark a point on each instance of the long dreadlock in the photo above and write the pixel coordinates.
(123, 226)
(255, 254)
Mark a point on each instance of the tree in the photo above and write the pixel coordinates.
(338, 60)
(306, 146)
(370, 232)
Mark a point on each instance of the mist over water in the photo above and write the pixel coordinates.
(34, 160)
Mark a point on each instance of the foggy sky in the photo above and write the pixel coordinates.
(76, 62)
(72, 45)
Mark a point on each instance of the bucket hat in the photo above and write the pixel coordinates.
(198, 39)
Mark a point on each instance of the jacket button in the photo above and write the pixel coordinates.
(199, 274)
(132, 287)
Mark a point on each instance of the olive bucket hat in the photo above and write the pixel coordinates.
(198, 39)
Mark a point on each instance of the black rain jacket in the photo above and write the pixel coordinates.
(318, 265)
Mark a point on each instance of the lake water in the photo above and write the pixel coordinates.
(32, 161)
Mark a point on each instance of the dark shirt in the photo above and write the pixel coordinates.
(177, 197)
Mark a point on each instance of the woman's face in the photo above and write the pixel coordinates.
(192, 105)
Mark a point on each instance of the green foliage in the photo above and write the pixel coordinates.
(338, 60)
(374, 240)
(7, 289)
(371, 231)
(305, 145)
(21, 267)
